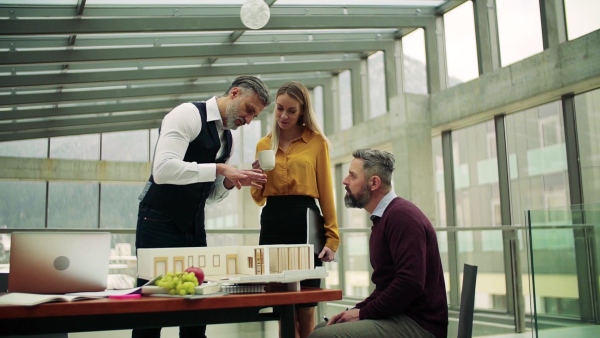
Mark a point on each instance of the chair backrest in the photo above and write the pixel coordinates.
(467, 302)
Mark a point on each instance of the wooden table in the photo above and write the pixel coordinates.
(146, 312)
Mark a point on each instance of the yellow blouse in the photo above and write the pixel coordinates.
(304, 170)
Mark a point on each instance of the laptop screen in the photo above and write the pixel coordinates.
(59, 262)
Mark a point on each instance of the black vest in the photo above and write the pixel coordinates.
(184, 204)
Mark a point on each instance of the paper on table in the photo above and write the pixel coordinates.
(29, 299)
(106, 293)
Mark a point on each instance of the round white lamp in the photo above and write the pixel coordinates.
(255, 14)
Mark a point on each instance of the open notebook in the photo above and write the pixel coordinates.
(58, 262)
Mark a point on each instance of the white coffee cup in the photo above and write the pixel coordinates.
(266, 159)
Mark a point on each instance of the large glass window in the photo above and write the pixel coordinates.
(438, 172)
(119, 205)
(80, 147)
(251, 135)
(22, 204)
(317, 101)
(477, 201)
(476, 175)
(537, 160)
(153, 140)
(414, 69)
(519, 29)
(587, 108)
(72, 205)
(25, 148)
(125, 146)
(582, 17)
(461, 47)
(377, 97)
(345, 99)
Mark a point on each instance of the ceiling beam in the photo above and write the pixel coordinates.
(128, 25)
(124, 93)
(196, 52)
(78, 130)
(167, 103)
(102, 76)
(77, 122)
(277, 10)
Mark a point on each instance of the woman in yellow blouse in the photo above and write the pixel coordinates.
(301, 175)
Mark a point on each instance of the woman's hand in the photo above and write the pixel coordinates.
(256, 165)
(327, 255)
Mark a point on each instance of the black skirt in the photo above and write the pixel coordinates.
(283, 221)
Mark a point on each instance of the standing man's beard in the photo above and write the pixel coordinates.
(232, 114)
(361, 199)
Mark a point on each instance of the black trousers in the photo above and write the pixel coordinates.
(283, 221)
(155, 230)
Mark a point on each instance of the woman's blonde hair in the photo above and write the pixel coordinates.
(308, 119)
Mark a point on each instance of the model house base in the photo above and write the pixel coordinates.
(235, 264)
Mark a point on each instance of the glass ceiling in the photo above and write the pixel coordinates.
(63, 62)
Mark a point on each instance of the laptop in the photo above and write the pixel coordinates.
(58, 262)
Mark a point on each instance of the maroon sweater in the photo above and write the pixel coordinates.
(407, 270)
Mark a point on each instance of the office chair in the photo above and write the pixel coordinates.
(467, 302)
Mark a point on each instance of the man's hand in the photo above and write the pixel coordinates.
(344, 317)
(239, 178)
(327, 255)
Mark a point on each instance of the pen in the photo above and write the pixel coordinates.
(129, 296)
(327, 318)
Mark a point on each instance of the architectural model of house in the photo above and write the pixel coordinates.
(235, 264)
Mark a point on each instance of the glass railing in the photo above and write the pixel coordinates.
(502, 298)
(563, 258)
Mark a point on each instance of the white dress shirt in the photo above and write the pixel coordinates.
(180, 127)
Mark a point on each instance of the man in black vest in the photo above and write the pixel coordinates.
(190, 169)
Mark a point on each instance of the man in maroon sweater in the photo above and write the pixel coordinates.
(409, 299)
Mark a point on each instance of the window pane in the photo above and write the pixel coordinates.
(438, 181)
(473, 248)
(251, 134)
(582, 17)
(356, 263)
(72, 205)
(461, 48)
(127, 146)
(22, 204)
(153, 140)
(238, 147)
(519, 29)
(119, 205)
(81, 147)
(476, 175)
(377, 97)
(317, 100)
(25, 148)
(537, 160)
(346, 120)
(414, 69)
(587, 108)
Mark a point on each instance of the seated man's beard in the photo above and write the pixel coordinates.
(361, 199)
